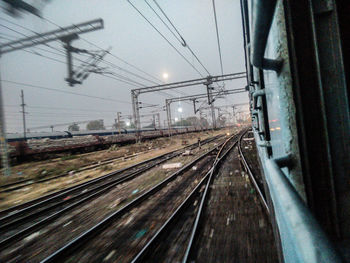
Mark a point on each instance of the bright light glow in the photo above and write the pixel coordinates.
(176, 119)
(165, 75)
(179, 109)
(128, 124)
(228, 134)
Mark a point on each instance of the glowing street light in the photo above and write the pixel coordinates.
(179, 109)
(128, 124)
(165, 75)
(176, 118)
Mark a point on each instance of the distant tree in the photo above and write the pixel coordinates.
(95, 125)
(121, 123)
(204, 123)
(193, 120)
(221, 121)
(149, 125)
(182, 123)
(73, 127)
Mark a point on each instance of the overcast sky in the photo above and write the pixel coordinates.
(130, 38)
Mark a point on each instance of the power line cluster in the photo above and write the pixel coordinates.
(177, 36)
(109, 74)
(132, 78)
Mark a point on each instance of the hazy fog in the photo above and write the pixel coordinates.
(131, 39)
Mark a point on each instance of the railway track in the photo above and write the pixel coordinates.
(152, 209)
(20, 221)
(253, 177)
(177, 239)
(188, 214)
(27, 182)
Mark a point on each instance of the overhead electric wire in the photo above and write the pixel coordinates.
(179, 37)
(33, 52)
(63, 62)
(41, 55)
(36, 53)
(124, 79)
(127, 71)
(110, 53)
(61, 108)
(62, 91)
(133, 83)
(184, 41)
(149, 22)
(120, 68)
(218, 38)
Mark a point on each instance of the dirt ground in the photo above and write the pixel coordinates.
(43, 242)
(71, 163)
(235, 228)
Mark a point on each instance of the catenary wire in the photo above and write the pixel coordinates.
(111, 64)
(165, 38)
(217, 36)
(62, 91)
(186, 44)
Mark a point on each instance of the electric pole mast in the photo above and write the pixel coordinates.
(211, 101)
(23, 116)
(37, 39)
(118, 121)
(158, 115)
(3, 142)
(135, 93)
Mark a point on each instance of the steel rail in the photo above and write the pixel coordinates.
(151, 244)
(65, 251)
(201, 206)
(41, 201)
(31, 181)
(90, 194)
(22, 183)
(251, 175)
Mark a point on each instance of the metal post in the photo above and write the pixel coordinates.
(24, 116)
(213, 115)
(3, 141)
(158, 115)
(194, 106)
(154, 120)
(67, 45)
(136, 113)
(118, 120)
(168, 115)
(211, 102)
(51, 128)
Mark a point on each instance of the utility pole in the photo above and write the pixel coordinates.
(135, 93)
(154, 121)
(118, 121)
(234, 114)
(3, 142)
(158, 115)
(211, 101)
(194, 106)
(194, 99)
(31, 41)
(136, 113)
(168, 115)
(24, 116)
